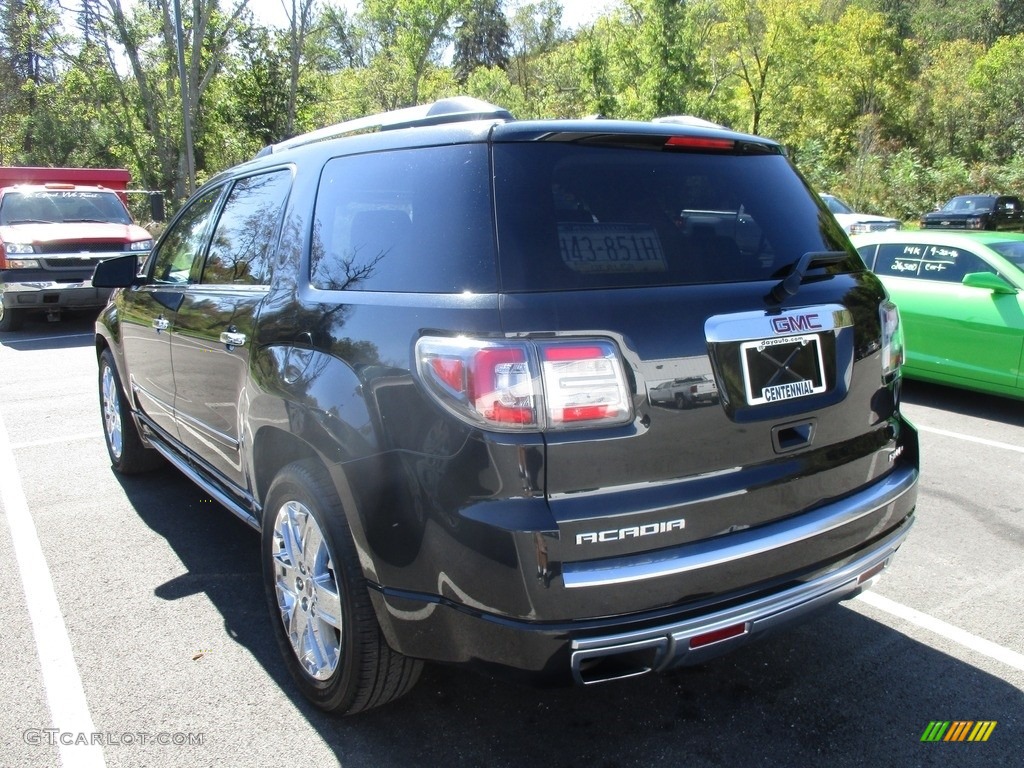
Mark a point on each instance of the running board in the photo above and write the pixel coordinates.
(202, 480)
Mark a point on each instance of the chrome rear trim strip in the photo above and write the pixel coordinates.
(741, 545)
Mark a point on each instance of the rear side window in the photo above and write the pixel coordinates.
(413, 220)
(573, 216)
(928, 262)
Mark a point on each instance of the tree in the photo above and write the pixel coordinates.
(861, 76)
(302, 18)
(482, 39)
(536, 30)
(146, 38)
(28, 36)
(948, 116)
(665, 63)
(765, 44)
(999, 81)
(408, 37)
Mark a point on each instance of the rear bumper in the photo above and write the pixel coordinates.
(866, 529)
(692, 641)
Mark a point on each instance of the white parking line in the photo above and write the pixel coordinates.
(941, 628)
(64, 694)
(30, 339)
(971, 439)
(97, 435)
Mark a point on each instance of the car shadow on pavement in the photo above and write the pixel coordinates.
(75, 330)
(840, 690)
(1005, 410)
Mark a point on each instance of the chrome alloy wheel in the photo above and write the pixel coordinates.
(307, 590)
(112, 412)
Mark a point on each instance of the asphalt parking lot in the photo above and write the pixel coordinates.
(136, 631)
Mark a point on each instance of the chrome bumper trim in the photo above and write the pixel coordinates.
(741, 545)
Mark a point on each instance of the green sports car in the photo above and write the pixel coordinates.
(960, 298)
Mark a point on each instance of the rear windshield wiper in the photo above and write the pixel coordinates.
(790, 284)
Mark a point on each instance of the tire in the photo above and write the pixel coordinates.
(319, 602)
(128, 454)
(11, 319)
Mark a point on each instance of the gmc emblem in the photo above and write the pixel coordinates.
(796, 324)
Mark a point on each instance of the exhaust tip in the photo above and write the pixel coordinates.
(618, 662)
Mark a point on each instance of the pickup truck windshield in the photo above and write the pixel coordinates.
(62, 206)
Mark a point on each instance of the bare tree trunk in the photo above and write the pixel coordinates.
(301, 19)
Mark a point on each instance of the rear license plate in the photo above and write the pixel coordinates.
(782, 368)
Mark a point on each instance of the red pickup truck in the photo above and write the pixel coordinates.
(56, 225)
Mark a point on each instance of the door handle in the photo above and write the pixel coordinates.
(232, 339)
(161, 324)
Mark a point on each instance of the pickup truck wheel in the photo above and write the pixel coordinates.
(11, 319)
(128, 454)
(324, 622)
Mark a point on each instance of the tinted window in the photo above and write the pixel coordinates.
(929, 262)
(416, 220)
(572, 216)
(246, 232)
(181, 245)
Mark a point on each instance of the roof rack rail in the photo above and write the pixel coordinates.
(454, 110)
(691, 120)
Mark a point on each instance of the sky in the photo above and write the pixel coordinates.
(574, 12)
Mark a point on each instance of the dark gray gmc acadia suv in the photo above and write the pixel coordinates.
(416, 351)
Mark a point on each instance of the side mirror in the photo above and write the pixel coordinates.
(988, 281)
(119, 272)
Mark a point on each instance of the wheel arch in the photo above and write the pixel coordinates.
(273, 450)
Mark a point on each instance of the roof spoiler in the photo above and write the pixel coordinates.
(454, 110)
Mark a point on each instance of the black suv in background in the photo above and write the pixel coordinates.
(416, 351)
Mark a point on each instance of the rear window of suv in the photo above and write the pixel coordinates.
(572, 216)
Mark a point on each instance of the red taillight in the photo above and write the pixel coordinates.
(572, 352)
(699, 142)
(584, 413)
(519, 385)
(449, 371)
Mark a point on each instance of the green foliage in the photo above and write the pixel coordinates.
(998, 78)
(895, 105)
(482, 39)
